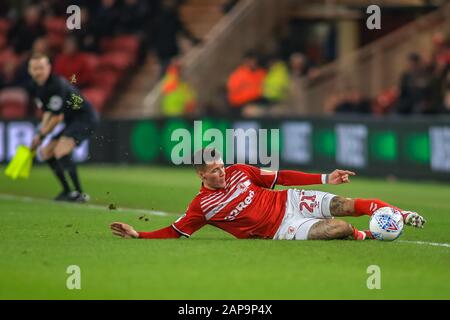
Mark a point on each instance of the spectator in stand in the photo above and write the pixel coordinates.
(415, 90)
(132, 16)
(445, 105)
(26, 30)
(245, 84)
(438, 85)
(72, 62)
(354, 102)
(106, 19)
(53, 7)
(8, 76)
(178, 98)
(167, 26)
(276, 82)
(441, 47)
(86, 36)
(22, 77)
(385, 101)
(298, 65)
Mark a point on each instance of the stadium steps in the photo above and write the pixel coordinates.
(129, 103)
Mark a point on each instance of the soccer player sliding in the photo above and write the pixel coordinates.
(239, 200)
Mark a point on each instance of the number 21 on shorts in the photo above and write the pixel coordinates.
(307, 202)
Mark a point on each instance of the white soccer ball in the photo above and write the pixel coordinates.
(386, 224)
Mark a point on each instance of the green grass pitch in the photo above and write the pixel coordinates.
(39, 239)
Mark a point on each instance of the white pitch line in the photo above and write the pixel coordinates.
(435, 244)
(156, 213)
(81, 205)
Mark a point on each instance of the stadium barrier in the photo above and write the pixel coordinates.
(407, 148)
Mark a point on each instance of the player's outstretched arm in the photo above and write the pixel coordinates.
(339, 176)
(126, 231)
(298, 178)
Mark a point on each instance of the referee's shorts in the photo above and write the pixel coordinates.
(78, 129)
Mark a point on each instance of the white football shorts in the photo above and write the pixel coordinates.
(304, 208)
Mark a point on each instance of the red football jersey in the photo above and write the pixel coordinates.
(246, 207)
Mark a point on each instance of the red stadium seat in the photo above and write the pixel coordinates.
(13, 103)
(106, 44)
(7, 56)
(5, 25)
(106, 79)
(55, 41)
(127, 43)
(3, 41)
(96, 96)
(92, 60)
(123, 43)
(116, 60)
(55, 25)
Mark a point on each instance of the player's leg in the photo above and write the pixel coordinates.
(308, 217)
(63, 152)
(328, 229)
(331, 229)
(342, 207)
(47, 154)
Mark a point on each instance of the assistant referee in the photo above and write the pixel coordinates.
(61, 102)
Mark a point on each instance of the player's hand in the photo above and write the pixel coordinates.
(340, 176)
(123, 230)
(36, 143)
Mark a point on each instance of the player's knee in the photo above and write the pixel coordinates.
(349, 206)
(63, 148)
(341, 206)
(341, 229)
(60, 152)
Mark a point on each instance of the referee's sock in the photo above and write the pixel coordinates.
(71, 168)
(59, 173)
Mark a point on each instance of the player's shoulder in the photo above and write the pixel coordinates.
(241, 167)
(195, 203)
(237, 166)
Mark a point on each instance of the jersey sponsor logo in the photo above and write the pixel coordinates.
(241, 206)
(220, 205)
(55, 103)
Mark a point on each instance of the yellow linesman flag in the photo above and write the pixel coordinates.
(20, 165)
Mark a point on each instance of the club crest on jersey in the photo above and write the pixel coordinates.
(55, 103)
(243, 186)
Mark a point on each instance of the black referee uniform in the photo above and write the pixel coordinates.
(58, 96)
